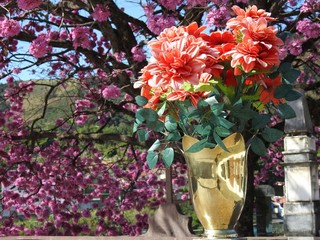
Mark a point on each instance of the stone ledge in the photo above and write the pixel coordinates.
(147, 238)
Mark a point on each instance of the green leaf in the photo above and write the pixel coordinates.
(152, 158)
(183, 110)
(222, 132)
(258, 105)
(241, 125)
(291, 75)
(292, 95)
(286, 111)
(156, 126)
(155, 146)
(228, 91)
(173, 136)
(203, 87)
(219, 142)
(284, 67)
(162, 109)
(271, 134)
(202, 104)
(237, 105)
(224, 123)
(188, 87)
(197, 113)
(288, 73)
(198, 146)
(211, 100)
(245, 114)
(142, 135)
(202, 130)
(274, 75)
(141, 101)
(170, 123)
(217, 108)
(135, 126)
(282, 90)
(252, 97)
(258, 147)
(146, 114)
(210, 145)
(260, 121)
(167, 156)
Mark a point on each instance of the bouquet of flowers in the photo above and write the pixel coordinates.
(210, 85)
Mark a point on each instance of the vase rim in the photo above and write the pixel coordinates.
(231, 140)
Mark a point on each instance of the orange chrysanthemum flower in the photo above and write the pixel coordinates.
(183, 95)
(259, 30)
(251, 12)
(179, 56)
(267, 90)
(230, 79)
(250, 55)
(175, 33)
(222, 41)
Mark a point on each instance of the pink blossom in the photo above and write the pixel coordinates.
(53, 35)
(102, 75)
(10, 80)
(81, 120)
(295, 47)
(170, 4)
(272, 161)
(111, 92)
(218, 17)
(195, 3)
(157, 23)
(28, 4)
(9, 27)
(83, 104)
(101, 13)
(2, 119)
(138, 54)
(185, 196)
(310, 6)
(39, 47)
(129, 72)
(292, 2)
(119, 56)
(80, 37)
(301, 77)
(86, 213)
(128, 97)
(308, 28)
(310, 81)
(130, 106)
(63, 35)
(16, 70)
(219, 2)
(149, 9)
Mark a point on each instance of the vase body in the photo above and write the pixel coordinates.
(217, 180)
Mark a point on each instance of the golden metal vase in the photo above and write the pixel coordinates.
(217, 180)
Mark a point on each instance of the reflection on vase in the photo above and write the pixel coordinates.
(218, 184)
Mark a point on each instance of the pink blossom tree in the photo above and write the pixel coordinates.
(86, 55)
